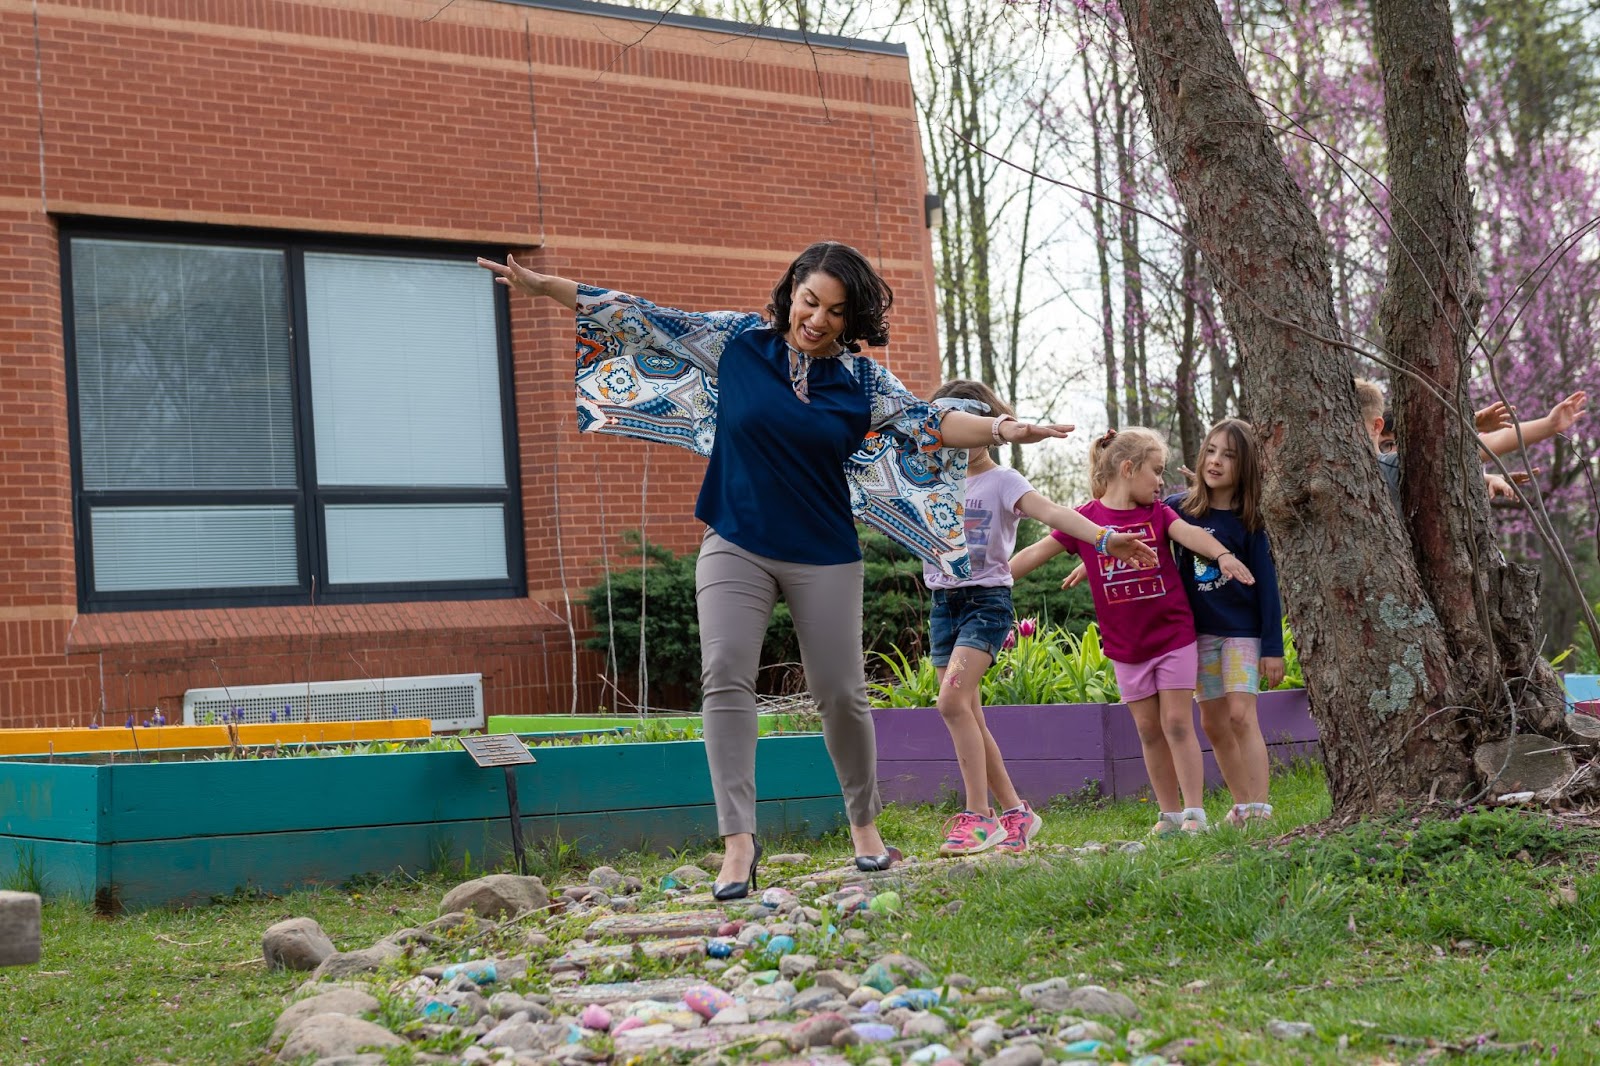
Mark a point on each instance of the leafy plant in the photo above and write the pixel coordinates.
(1053, 665)
(1292, 675)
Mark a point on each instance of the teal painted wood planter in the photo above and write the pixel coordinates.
(136, 835)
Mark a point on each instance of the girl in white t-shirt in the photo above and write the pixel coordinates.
(972, 618)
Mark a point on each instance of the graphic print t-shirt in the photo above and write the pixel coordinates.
(990, 516)
(1142, 613)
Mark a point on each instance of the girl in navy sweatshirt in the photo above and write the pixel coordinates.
(1239, 626)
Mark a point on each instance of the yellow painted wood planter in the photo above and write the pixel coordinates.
(150, 738)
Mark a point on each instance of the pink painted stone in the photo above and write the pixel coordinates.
(706, 1001)
(730, 928)
(595, 1016)
(626, 1024)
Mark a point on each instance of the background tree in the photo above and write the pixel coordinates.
(1399, 722)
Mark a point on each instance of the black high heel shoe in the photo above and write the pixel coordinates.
(871, 864)
(738, 889)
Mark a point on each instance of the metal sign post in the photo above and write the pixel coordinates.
(508, 752)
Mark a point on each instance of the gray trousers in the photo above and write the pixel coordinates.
(736, 591)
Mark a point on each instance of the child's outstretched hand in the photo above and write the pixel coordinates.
(1130, 548)
(1074, 579)
(1497, 415)
(1230, 565)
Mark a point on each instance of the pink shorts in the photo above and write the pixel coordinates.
(1177, 669)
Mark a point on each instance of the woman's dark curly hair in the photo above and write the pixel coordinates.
(867, 296)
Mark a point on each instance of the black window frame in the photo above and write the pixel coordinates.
(308, 500)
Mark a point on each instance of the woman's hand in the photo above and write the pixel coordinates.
(513, 275)
(1074, 579)
(1272, 672)
(1014, 432)
(1130, 548)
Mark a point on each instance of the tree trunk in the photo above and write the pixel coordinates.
(1373, 653)
(1429, 311)
(1133, 405)
(1188, 408)
(1102, 248)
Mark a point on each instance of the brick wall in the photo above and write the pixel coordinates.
(684, 164)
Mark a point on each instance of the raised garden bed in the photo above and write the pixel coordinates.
(141, 834)
(1059, 749)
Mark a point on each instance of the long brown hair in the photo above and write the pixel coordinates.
(1106, 455)
(1247, 475)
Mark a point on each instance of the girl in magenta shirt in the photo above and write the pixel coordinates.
(1146, 626)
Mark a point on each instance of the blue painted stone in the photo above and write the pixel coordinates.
(915, 998)
(719, 949)
(764, 977)
(780, 945)
(931, 1053)
(479, 973)
(1084, 1047)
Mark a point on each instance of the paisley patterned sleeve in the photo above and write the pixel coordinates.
(903, 482)
(650, 372)
(896, 409)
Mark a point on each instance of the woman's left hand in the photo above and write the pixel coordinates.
(1014, 432)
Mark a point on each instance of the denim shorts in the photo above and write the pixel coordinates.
(975, 616)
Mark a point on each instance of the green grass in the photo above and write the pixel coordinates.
(1364, 933)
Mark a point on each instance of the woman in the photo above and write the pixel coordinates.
(803, 435)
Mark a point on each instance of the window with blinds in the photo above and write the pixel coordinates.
(260, 423)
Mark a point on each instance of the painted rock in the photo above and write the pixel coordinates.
(874, 1032)
(776, 897)
(626, 1024)
(916, 999)
(730, 928)
(720, 949)
(931, 1053)
(1083, 1047)
(595, 1016)
(706, 1001)
(479, 973)
(885, 903)
(780, 945)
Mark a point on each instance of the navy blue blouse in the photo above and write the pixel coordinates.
(776, 483)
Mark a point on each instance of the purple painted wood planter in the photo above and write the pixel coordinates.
(1056, 749)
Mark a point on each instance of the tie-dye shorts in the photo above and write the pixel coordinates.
(1228, 664)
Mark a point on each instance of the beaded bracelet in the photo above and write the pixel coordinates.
(1103, 541)
(994, 429)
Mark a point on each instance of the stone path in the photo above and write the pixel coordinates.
(791, 976)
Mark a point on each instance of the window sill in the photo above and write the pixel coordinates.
(190, 632)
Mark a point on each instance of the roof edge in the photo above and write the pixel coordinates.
(699, 22)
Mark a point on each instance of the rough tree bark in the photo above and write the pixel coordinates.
(1188, 408)
(1430, 306)
(1374, 653)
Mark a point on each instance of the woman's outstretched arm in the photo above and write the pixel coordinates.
(514, 275)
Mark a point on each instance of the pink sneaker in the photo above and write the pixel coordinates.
(1022, 825)
(968, 833)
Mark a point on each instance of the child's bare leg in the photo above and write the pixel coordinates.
(994, 764)
(961, 707)
(1157, 755)
(1252, 748)
(1216, 718)
(1177, 725)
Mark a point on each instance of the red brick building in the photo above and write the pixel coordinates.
(261, 420)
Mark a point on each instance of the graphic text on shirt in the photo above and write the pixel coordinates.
(1123, 582)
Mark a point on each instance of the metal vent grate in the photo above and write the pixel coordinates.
(450, 701)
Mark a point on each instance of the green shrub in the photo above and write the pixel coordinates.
(663, 592)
